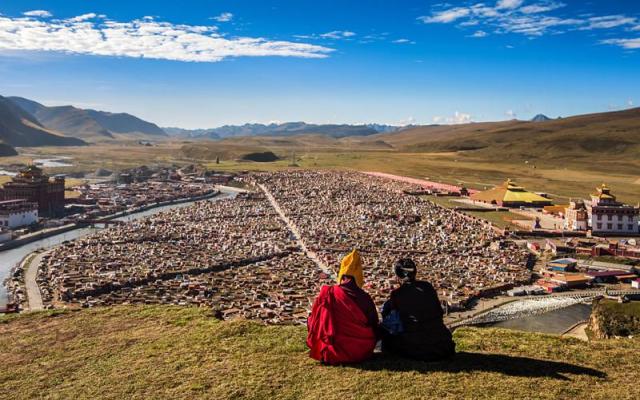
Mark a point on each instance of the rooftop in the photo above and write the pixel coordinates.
(510, 192)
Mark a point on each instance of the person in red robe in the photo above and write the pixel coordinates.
(343, 322)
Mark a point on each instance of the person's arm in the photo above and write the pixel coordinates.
(435, 308)
(387, 307)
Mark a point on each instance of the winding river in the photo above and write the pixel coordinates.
(10, 258)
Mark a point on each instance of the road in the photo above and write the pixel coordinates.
(30, 274)
(312, 255)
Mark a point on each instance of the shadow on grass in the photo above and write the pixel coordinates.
(470, 362)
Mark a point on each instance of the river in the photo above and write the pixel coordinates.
(10, 258)
(555, 322)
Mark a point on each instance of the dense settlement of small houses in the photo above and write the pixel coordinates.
(241, 258)
(139, 188)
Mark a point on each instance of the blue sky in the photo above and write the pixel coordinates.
(197, 63)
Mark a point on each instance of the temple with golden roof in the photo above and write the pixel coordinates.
(33, 185)
(509, 194)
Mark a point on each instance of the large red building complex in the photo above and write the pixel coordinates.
(34, 186)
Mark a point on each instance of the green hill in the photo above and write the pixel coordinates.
(183, 353)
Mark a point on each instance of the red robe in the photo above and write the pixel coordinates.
(339, 331)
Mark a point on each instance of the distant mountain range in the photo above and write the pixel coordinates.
(90, 125)
(20, 128)
(284, 129)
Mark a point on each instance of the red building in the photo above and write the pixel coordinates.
(34, 186)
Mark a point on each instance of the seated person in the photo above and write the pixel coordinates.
(343, 321)
(412, 319)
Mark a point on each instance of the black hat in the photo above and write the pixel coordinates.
(405, 268)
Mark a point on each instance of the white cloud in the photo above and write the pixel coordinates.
(531, 19)
(38, 13)
(446, 16)
(224, 17)
(509, 4)
(609, 21)
(482, 11)
(402, 41)
(337, 35)
(456, 118)
(83, 17)
(405, 122)
(511, 114)
(630, 103)
(536, 26)
(540, 8)
(144, 38)
(629, 44)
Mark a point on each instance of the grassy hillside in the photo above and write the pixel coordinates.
(605, 140)
(7, 150)
(91, 125)
(235, 148)
(18, 128)
(171, 352)
(610, 318)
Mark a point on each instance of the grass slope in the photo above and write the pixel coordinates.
(611, 138)
(183, 353)
(18, 128)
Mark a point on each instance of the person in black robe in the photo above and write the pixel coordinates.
(421, 333)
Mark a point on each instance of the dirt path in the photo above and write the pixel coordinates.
(33, 290)
(312, 255)
(578, 331)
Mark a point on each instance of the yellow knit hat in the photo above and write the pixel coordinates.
(352, 265)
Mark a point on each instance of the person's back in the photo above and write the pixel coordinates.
(343, 320)
(424, 335)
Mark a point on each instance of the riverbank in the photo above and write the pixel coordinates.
(46, 233)
(11, 258)
(30, 268)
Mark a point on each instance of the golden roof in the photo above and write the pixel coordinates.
(510, 192)
(603, 192)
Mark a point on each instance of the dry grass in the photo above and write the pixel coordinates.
(182, 353)
(501, 219)
(577, 178)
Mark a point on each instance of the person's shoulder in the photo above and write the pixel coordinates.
(324, 289)
(424, 285)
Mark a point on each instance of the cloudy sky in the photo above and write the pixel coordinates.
(205, 63)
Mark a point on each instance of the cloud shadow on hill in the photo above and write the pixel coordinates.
(480, 362)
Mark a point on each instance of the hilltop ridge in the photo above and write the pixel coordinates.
(20, 129)
(574, 139)
(88, 124)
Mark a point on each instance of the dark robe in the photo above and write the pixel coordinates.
(363, 300)
(425, 337)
